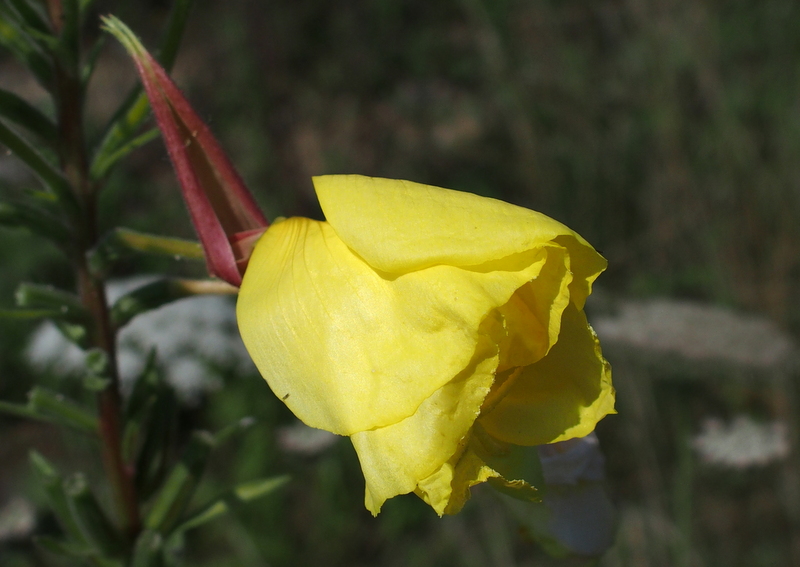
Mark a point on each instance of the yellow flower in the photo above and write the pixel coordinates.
(442, 331)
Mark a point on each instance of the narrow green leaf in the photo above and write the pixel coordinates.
(21, 112)
(42, 198)
(49, 175)
(241, 494)
(162, 292)
(234, 429)
(91, 60)
(147, 551)
(123, 126)
(56, 496)
(44, 468)
(181, 484)
(25, 49)
(97, 362)
(103, 165)
(156, 451)
(20, 410)
(210, 512)
(77, 333)
(122, 243)
(62, 409)
(64, 548)
(31, 15)
(34, 219)
(98, 374)
(146, 388)
(140, 405)
(50, 407)
(28, 313)
(68, 305)
(71, 550)
(249, 491)
(133, 112)
(66, 310)
(134, 431)
(46, 41)
(94, 524)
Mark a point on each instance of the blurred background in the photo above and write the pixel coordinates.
(666, 132)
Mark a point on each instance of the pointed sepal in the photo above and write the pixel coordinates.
(224, 213)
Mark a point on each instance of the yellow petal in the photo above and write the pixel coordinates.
(447, 489)
(511, 469)
(350, 349)
(396, 457)
(401, 226)
(532, 316)
(562, 396)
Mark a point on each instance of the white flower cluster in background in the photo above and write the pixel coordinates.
(742, 443)
(194, 339)
(696, 331)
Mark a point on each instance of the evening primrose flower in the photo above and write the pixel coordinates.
(441, 331)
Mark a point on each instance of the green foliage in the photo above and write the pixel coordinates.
(19, 111)
(666, 133)
(39, 165)
(34, 219)
(180, 485)
(48, 39)
(45, 405)
(25, 46)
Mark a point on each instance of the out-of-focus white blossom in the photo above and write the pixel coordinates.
(696, 331)
(194, 338)
(741, 443)
(17, 519)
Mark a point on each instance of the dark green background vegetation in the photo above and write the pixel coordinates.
(666, 132)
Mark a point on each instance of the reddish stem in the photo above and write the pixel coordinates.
(74, 163)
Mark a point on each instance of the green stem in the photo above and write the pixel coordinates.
(109, 404)
(74, 163)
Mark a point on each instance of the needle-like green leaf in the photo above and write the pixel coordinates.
(62, 410)
(31, 14)
(21, 112)
(36, 220)
(24, 48)
(97, 529)
(241, 494)
(123, 243)
(46, 171)
(53, 487)
(180, 485)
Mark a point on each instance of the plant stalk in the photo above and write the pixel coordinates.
(74, 163)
